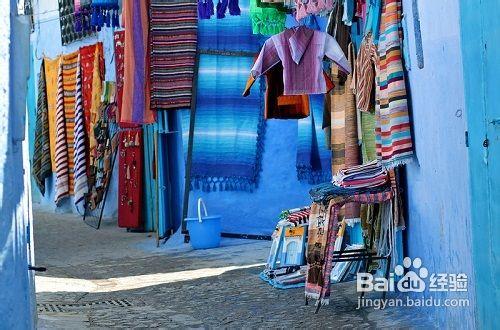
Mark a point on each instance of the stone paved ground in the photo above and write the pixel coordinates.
(173, 286)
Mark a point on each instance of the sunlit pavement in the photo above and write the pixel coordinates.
(113, 278)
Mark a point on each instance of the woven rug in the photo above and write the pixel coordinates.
(338, 126)
(51, 75)
(173, 33)
(313, 156)
(61, 154)
(368, 131)
(136, 87)
(393, 135)
(41, 154)
(228, 134)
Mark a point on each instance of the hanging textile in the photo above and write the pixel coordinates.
(266, 21)
(51, 76)
(69, 32)
(82, 15)
(319, 7)
(393, 136)
(173, 33)
(119, 42)
(104, 13)
(228, 134)
(206, 8)
(313, 156)
(92, 71)
(368, 131)
(366, 67)
(61, 154)
(136, 87)
(41, 155)
(80, 170)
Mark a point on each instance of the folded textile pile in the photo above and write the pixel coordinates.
(295, 217)
(285, 277)
(363, 176)
(326, 191)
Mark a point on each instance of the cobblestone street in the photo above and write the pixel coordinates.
(113, 278)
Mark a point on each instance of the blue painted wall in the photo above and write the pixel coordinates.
(439, 224)
(46, 40)
(16, 283)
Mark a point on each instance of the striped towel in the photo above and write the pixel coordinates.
(61, 154)
(80, 170)
(51, 76)
(173, 34)
(363, 176)
(393, 136)
(41, 156)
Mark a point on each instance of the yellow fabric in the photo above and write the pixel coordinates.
(96, 99)
(51, 72)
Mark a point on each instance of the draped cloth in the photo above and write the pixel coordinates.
(119, 42)
(228, 134)
(61, 153)
(393, 135)
(136, 88)
(41, 157)
(173, 32)
(313, 156)
(80, 155)
(51, 77)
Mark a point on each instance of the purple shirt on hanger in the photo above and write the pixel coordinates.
(301, 51)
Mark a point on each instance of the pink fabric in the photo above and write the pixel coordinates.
(301, 51)
(306, 7)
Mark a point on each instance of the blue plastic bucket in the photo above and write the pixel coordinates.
(204, 232)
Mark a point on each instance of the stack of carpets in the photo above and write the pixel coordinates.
(363, 176)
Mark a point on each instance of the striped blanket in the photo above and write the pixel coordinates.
(173, 33)
(41, 156)
(313, 156)
(228, 134)
(51, 75)
(393, 136)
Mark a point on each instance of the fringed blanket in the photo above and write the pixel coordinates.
(51, 75)
(173, 33)
(136, 89)
(228, 134)
(41, 156)
(80, 170)
(313, 156)
(61, 154)
(393, 136)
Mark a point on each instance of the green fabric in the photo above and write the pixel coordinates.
(368, 131)
(266, 21)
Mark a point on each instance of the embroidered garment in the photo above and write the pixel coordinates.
(136, 89)
(70, 31)
(80, 170)
(393, 135)
(41, 155)
(317, 7)
(313, 156)
(301, 51)
(173, 33)
(51, 77)
(266, 21)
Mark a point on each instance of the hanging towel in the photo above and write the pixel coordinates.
(81, 186)
(313, 156)
(229, 129)
(51, 76)
(173, 32)
(393, 135)
(136, 89)
(61, 154)
(41, 156)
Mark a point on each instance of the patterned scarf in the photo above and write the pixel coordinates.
(41, 157)
(61, 154)
(80, 170)
(136, 87)
(393, 136)
(173, 32)
(313, 156)
(51, 77)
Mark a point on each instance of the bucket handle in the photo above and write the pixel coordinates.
(200, 203)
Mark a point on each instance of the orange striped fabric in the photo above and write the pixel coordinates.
(366, 65)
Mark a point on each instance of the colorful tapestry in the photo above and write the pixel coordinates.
(119, 41)
(80, 155)
(228, 134)
(393, 135)
(61, 154)
(313, 156)
(136, 87)
(41, 155)
(173, 33)
(51, 76)
(69, 33)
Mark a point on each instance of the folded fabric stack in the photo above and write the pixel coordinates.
(295, 217)
(326, 191)
(369, 175)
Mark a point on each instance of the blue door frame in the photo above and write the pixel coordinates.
(480, 31)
